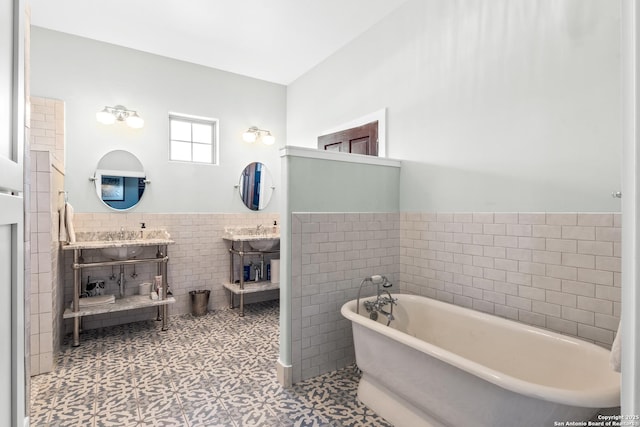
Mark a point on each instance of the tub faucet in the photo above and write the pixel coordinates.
(388, 315)
(376, 306)
(387, 299)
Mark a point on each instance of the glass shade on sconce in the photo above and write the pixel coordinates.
(105, 117)
(249, 136)
(268, 139)
(135, 121)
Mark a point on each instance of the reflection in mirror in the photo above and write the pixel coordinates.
(256, 186)
(120, 180)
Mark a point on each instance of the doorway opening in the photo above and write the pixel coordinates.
(356, 140)
(332, 137)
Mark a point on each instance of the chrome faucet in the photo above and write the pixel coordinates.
(377, 306)
(384, 300)
(121, 234)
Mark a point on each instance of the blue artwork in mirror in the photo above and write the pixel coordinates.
(120, 180)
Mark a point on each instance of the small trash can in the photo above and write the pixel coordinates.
(199, 302)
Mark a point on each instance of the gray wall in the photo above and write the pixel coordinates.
(497, 105)
(318, 185)
(88, 75)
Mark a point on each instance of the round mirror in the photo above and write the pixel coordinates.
(256, 186)
(120, 180)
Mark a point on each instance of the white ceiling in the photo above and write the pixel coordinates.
(273, 40)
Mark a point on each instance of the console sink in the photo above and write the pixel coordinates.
(121, 253)
(120, 245)
(263, 244)
(258, 238)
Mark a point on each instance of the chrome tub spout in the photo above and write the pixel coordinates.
(375, 307)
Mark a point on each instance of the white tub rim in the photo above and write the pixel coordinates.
(601, 398)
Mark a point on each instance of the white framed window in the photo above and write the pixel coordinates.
(193, 139)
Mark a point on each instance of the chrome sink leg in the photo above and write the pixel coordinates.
(165, 285)
(121, 281)
(77, 257)
(76, 331)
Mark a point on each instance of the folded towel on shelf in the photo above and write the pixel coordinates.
(616, 351)
(97, 300)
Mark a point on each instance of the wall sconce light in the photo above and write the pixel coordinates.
(253, 133)
(109, 115)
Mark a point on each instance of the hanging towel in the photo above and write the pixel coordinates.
(68, 218)
(62, 229)
(616, 350)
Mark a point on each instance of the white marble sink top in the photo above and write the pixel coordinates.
(238, 234)
(119, 239)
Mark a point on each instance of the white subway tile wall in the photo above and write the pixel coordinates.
(44, 331)
(46, 179)
(560, 271)
(198, 260)
(47, 128)
(331, 253)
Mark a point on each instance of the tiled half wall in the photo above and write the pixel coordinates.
(46, 178)
(45, 259)
(560, 271)
(331, 253)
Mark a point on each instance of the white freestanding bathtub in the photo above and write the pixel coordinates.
(438, 364)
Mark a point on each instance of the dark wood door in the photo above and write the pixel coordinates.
(358, 140)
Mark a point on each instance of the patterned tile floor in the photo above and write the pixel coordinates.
(214, 370)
